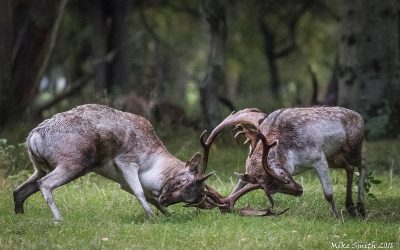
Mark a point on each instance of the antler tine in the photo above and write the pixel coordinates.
(250, 116)
(266, 149)
(206, 151)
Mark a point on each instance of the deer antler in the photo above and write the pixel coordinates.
(251, 137)
(250, 116)
(206, 152)
(254, 136)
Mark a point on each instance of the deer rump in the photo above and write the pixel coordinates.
(248, 121)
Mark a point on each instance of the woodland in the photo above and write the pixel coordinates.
(192, 62)
(185, 66)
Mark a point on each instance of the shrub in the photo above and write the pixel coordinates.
(13, 158)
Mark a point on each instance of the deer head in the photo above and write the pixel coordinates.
(277, 179)
(187, 185)
(272, 179)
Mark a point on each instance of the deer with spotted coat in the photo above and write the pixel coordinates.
(298, 139)
(119, 146)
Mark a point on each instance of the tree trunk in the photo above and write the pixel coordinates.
(6, 25)
(96, 15)
(369, 63)
(215, 15)
(331, 95)
(30, 53)
(269, 51)
(118, 69)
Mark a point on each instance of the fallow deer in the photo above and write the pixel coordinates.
(301, 139)
(119, 146)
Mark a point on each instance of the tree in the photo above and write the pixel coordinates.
(215, 15)
(25, 46)
(275, 47)
(369, 63)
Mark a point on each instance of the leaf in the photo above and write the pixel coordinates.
(375, 181)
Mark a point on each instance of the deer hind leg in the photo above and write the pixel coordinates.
(341, 162)
(26, 189)
(361, 188)
(321, 166)
(349, 191)
(58, 177)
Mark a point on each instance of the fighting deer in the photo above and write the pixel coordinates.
(119, 146)
(301, 139)
(268, 179)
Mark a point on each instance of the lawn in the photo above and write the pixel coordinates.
(98, 215)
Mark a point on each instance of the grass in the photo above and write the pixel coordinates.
(98, 215)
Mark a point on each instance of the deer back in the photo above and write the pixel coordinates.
(92, 134)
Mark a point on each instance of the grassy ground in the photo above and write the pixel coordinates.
(98, 215)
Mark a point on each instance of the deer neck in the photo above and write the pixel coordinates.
(160, 167)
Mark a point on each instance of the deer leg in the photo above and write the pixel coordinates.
(26, 189)
(323, 173)
(58, 177)
(156, 202)
(271, 200)
(130, 174)
(361, 188)
(349, 190)
(152, 200)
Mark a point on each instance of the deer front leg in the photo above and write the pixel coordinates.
(153, 200)
(321, 167)
(130, 174)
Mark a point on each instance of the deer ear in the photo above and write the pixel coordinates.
(194, 164)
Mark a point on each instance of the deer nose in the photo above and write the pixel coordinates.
(162, 201)
(299, 191)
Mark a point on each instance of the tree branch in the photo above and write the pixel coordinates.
(53, 39)
(76, 87)
(292, 29)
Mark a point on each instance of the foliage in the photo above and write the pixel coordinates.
(370, 180)
(98, 215)
(377, 122)
(13, 158)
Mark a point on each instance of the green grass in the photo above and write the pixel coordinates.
(98, 215)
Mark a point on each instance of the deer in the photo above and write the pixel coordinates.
(299, 139)
(120, 146)
(266, 179)
(155, 110)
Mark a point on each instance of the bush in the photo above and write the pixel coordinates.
(13, 158)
